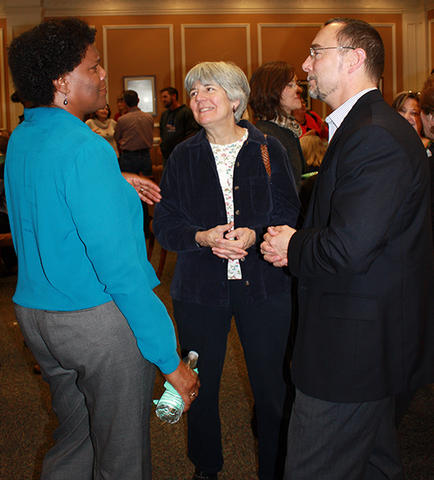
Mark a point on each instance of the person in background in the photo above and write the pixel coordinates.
(101, 123)
(84, 298)
(121, 106)
(364, 264)
(313, 148)
(274, 95)
(427, 117)
(134, 137)
(221, 188)
(176, 123)
(407, 105)
(310, 122)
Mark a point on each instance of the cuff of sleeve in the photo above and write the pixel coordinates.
(295, 250)
(170, 365)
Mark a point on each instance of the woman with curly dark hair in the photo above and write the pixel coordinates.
(274, 94)
(84, 298)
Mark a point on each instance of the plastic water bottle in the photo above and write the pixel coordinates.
(171, 405)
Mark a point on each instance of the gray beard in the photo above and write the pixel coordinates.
(318, 95)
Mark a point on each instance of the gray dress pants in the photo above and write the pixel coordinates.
(101, 390)
(342, 441)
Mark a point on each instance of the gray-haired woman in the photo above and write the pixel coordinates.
(218, 200)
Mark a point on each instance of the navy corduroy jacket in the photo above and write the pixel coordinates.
(193, 200)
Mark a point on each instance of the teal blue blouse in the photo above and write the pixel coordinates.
(77, 227)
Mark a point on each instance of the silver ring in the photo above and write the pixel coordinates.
(141, 190)
(193, 394)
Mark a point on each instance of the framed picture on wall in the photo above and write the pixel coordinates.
(144, 85)
(305, 93)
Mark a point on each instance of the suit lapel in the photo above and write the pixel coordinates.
(349, 123)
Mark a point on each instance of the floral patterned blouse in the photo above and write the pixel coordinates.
(225, 156)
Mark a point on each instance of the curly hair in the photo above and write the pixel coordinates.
(45, 53)
(267, 84)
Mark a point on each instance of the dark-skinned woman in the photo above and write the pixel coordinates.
(84, 298)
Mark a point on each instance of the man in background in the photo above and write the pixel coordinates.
(364, 264)
(134, 137)
(176, 124)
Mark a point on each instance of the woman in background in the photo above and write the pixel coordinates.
(218, 200)
(310, 122)
(408, 106)
(84, 298)
(274, 94)
(101, 123)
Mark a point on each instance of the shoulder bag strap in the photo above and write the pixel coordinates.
(266, 158)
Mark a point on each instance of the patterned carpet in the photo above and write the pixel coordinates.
(27, 422)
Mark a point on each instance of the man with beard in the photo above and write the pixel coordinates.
(176, 123)
(364, 263)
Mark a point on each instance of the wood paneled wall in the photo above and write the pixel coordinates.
(430, 15)
(167, 46)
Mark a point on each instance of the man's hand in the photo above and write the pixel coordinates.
(275, 245)
(186, 383)
(149, 191)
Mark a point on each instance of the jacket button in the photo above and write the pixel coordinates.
(238, 164)
(243, 259)
(236, 187)
(247, 283)
(237, 212)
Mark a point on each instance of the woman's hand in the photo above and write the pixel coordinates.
(235, 243)
(227, 243)
(209, 238)
(149, 191)
(186, 383)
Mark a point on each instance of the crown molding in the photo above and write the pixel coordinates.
(189, 7)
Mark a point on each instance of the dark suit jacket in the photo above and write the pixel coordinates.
(364, 262)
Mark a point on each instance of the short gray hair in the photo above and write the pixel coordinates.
(226, 75)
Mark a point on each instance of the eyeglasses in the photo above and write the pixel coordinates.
(314, 51)
(294, 84)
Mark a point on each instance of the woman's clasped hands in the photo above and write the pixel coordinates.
(227, 242)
